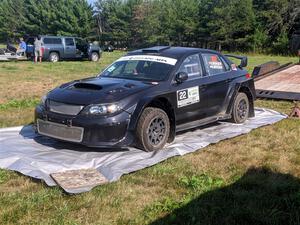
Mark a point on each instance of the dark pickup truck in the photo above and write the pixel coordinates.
(65, 48)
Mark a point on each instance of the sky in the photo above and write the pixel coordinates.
(91, 1)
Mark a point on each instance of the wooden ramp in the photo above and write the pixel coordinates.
(76, 181)
(284, 84)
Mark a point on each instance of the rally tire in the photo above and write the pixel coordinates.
(94, 57)
(54, 57)
(153, 129)
(240, 111)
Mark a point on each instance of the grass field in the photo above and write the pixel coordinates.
(250, 179)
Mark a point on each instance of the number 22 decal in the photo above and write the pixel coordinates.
(182, 95)
(187, 96)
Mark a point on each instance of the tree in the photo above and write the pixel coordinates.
(12, 18)
(59, 17)
(233, 24)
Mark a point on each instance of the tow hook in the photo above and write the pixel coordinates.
(69, 123)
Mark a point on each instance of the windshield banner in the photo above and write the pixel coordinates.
(151, 58)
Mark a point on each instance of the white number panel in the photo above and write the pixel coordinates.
(187, 96)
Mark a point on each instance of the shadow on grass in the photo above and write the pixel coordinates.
(259, 197)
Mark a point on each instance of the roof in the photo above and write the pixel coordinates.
(53, 36)
(168, 51)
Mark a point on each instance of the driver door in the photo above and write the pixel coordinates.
(187, 93)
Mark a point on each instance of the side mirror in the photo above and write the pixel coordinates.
(181, 77)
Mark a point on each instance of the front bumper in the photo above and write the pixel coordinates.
(97, 131)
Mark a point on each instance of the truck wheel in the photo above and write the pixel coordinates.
(53, 57)
(153, 129)
(240, 110)
(94, 56)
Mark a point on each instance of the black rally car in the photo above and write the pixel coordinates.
(145, 97)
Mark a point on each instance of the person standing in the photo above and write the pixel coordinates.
(38, 49)
(22, 47)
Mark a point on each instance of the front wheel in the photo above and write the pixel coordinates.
(153, 129)
(94, 57)
(240, 110)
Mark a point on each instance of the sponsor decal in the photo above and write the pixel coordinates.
(152, 58)
(214, 58)
(110, 69)
(188, 96)
(233, 67)
(215, 65)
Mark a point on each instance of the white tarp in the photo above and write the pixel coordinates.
(22, 150)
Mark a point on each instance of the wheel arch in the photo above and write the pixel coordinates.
(241, 88)
(247, 91)
(162, 103)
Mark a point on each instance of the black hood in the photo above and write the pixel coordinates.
(97, 90)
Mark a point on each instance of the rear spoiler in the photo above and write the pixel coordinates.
(244, 60)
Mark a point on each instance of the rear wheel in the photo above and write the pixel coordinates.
(240, 110)
(53, 57)
(153, 129)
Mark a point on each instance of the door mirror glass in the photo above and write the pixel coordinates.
(181, 77)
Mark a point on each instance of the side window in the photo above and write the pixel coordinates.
(227, 67)
(213, 64)
(52, 41)
(47, 41)
(192, 66)
(56, 40)
(69, 41)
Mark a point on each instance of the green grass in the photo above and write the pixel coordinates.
(250, 179)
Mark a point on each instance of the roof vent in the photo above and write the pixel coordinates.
(156, 49)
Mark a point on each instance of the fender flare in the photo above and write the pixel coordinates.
(242, 87)
(145, 102)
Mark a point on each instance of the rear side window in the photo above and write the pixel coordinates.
(192, 66)
(213, 64)
(69, 41)
(52, 41)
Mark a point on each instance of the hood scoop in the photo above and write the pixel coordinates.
(88, 86)
(129, 85)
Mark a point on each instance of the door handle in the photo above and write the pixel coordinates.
(228, 80)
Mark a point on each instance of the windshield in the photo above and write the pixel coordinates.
(150, 68)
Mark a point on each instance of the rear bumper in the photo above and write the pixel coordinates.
(97, 131)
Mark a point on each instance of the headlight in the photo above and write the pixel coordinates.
(103, 109)
(43, 100)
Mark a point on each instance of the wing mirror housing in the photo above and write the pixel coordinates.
(181, 77)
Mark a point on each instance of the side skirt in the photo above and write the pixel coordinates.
(202, 122)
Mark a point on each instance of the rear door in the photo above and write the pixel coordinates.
(215, 83)
(70, 48)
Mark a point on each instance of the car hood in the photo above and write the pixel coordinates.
(97, 90)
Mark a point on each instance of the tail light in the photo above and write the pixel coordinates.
(248, 75)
